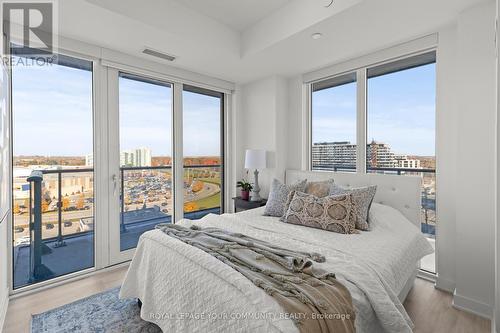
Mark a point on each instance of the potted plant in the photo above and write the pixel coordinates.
(246, 187)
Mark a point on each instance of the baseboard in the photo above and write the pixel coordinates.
(4, 303)
(445, 285)
(469, 305)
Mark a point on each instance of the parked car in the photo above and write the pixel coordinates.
(49, 226)
(68, 224)
(18, 229)
(24, 240)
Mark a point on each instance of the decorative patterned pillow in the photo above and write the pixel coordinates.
(319, 189)
(332, 213)
(278, 196)
(362, 198)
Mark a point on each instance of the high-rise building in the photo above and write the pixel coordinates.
(326, 155)
(138, 157)
(142, 157)
(342, 155)
(407, 163)
(379, 155)
(89, 160)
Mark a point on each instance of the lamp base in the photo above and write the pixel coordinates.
(254, 195)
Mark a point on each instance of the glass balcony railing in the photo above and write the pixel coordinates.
(52, 234)
(202, 189)
(54, 224)
(428, 225)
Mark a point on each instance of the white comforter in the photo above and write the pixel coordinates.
(184, 289)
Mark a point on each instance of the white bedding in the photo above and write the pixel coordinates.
(205, 295)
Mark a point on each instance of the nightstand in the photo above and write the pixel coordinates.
(241, 205)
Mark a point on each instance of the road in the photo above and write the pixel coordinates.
(52, 217)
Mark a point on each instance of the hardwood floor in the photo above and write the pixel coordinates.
(20, 310)
(431, 311)
(429, 308)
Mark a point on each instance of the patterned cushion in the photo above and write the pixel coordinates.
(278, 195)
(319, 189)
(332, 213)
(362, 198)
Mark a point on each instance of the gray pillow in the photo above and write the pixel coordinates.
(362, 200)
(278, 196)
(331, 213)
(320, 189)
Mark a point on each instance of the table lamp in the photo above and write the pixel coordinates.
(255, 159)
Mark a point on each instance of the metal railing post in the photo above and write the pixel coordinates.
(60, 241)
(38, 271)
(122, 199)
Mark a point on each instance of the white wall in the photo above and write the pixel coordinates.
(466, 151)
(475, 214)
(446, 156)
(261, 123)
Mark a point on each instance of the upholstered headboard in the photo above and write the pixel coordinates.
(400, 192)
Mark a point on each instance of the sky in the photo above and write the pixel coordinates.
(52, 110)
(400, 111)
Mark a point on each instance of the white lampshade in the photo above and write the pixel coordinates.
(255, 159)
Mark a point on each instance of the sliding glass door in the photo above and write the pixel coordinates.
(53, 176)
(140, 161)
(87, 184)
(142, 154)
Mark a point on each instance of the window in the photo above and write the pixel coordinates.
(52, 126)
(401, 113)
(203, 147)
(145, 113)
(72, 206)
(400, 126)
(333, 121)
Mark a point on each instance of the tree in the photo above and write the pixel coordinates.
(45, 206)
(16, 209)
(80, 202)
(65, 203)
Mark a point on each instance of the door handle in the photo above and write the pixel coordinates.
(114, 178)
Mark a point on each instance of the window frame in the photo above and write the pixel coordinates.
(361, 106)
(223, 141)
(413, 49)
(102, 61)
(97, 174)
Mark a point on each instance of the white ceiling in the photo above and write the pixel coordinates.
(279, 43)
(236, 14)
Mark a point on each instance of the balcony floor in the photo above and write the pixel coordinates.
(78, 254)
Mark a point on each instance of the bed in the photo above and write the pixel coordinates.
(184, 289)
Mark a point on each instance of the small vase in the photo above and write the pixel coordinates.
(245, 195)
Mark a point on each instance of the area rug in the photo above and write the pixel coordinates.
(103, 312)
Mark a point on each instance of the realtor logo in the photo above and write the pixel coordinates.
(30, 26)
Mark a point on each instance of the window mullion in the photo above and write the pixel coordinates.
(178, 161)
(361, 121)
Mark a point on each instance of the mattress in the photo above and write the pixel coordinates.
(184, 289)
